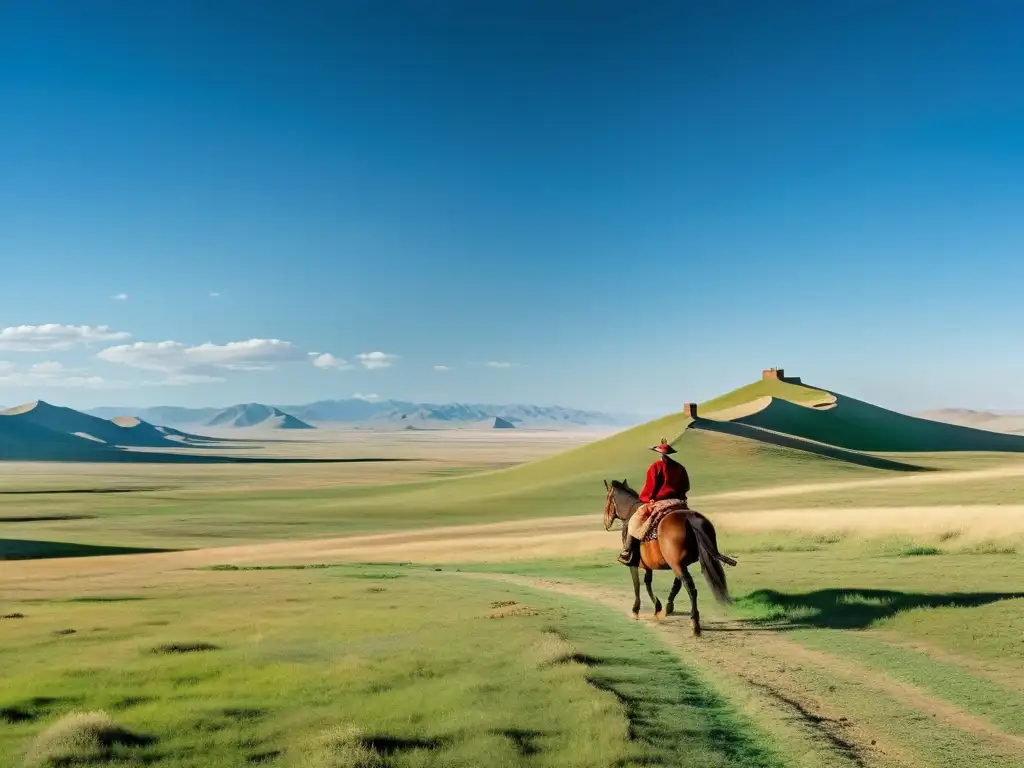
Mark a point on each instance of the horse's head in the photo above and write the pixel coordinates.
(616, 504)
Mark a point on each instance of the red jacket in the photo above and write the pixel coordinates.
(665, 480)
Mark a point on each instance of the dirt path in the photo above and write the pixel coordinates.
(766, 673)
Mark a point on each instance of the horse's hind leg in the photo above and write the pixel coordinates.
(648, 581)
(691, 588)
(670, 606)
(635, 573)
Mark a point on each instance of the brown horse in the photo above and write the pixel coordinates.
(683, 538)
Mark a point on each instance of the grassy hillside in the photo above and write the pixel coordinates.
(860, 426)
(794, 393)
(571, 482)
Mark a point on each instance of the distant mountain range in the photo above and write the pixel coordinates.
(356, 411)
(994, 421)
(39, 431)
(256, 415)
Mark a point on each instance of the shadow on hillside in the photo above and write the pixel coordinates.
(30, 549)
(51, 491)
(209, 441)
(855, 608)
(857, 425)
(115, 456)
(738, 429)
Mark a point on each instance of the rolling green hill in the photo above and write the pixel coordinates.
(571, 482)
(770, 432)
(845, 422)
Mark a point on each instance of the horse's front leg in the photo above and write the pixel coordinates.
(635, 573)
(648, 581)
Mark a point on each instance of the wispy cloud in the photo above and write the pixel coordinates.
(120, 297)
(371, 398)
(498, 364)
(203, 359)
(328, 361)
(183, 380)
(214, 294)
(442, 367)
(55, 336)
(51, 374)
(376, 360)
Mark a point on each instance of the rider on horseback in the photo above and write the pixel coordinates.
(666, 479)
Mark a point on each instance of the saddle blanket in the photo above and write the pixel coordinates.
(643, 524)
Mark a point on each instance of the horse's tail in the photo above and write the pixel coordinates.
(710, 558)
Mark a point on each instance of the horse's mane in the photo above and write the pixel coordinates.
(623, 485)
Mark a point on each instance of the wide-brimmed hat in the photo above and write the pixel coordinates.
(664, 447)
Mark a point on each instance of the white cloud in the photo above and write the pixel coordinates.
(204, 359)
(53, 374)
(214, 294)
(442, 367)
(47, 367)
(183, 380)
(371, 398)
(329, 361)
(375, 360)
(496, 364)
(120, 297)
(54, 336)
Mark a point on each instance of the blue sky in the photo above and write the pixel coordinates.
(624, 208)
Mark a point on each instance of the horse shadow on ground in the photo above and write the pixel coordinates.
(853, 608)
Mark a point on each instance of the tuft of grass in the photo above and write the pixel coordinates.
(81, 738)
(990, 548)
(13, 616)
(104, 599)
(340, 745)
(920, 550)
(184, 648)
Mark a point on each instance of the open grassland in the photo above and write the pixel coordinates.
(879, 618)
(356, 666)
(838, 652)
(426, 479)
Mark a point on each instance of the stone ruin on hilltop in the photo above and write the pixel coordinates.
(780, 374)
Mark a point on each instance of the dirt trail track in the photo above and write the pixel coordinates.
(761, 670)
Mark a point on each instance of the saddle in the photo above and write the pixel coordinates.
(658, 511)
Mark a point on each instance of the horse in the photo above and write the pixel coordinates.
(684, 537)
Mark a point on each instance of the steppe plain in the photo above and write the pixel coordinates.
(451, 599)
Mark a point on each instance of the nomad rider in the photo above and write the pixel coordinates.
(666, 479)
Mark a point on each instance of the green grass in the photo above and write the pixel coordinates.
(794, 393)
(853, 424)
(565, 484)
(951, 491)
(975, 695)
(315, 667)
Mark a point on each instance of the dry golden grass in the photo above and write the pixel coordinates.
(80, 738)
(412, 455)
